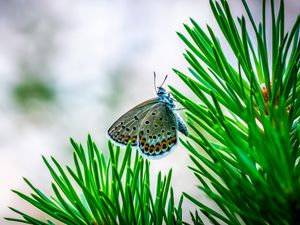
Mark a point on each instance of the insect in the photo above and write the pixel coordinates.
(151, 126)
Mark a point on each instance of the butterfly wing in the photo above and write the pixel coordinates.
(181, 125)
(126, 128)
(158, 131)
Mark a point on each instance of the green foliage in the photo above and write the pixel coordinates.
(31, 91)
(104, 191)
(251, 169)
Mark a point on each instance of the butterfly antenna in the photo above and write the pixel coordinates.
(155, 88)
(164, 80)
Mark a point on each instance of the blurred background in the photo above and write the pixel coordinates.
(69, 68)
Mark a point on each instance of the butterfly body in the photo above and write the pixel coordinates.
(151, 126)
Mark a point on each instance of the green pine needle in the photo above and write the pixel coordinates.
(97, 190)
(252, 168)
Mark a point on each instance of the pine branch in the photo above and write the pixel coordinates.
(252, 167)
(104, 191)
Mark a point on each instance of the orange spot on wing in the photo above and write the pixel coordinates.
(142, 142)
(141, 134)
(133, 139)
(157, 147)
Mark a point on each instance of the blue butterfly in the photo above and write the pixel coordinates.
(151, 126)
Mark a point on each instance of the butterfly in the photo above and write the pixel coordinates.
(151, 126)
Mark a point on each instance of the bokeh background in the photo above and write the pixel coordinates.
(71, 67)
